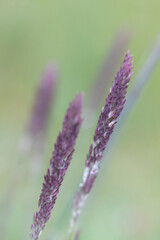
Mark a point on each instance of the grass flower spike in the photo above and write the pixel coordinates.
(59, 163)
(113, 106)
(45, 92)
(34, 137)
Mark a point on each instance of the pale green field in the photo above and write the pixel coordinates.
(125, 201)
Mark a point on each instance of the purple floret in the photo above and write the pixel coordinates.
(59, 163)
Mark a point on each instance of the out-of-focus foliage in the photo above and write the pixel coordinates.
(77, 34)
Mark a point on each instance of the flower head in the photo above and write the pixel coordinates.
(113, 106)
(110, 112)
(46, 90)
(59, 163)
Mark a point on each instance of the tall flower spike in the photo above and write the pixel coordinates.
(33, 140)
(113, 106)
(59, 163)
(45, 92)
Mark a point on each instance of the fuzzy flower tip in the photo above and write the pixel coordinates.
(45, 92)
(59, 163)
(113, 106)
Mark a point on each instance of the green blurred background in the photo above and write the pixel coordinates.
(77, 35)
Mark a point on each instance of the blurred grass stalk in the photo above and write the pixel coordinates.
(139, 84)
(77, 235)
(32, 143)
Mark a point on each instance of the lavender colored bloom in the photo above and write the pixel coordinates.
(59, 162)
(43, 101)
(33, 139)
(113, 106)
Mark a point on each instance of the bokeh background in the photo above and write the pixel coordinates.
(77, 35)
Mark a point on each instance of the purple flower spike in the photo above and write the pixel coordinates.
(43, 101)
(59, 163)
(34, 137)
(113, 106)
